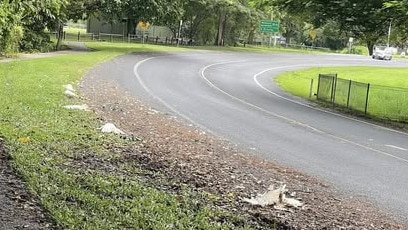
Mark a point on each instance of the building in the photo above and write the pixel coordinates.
(124, 28)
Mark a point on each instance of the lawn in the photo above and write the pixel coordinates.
(388, 95)
(71, 34)
(47, 144)
(72, 30)
(260, 49)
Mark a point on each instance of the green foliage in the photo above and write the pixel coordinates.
(367, 21)
(292, 28)
(218, 22)
(361, 50)
(22, 24)
(10, 28)
(11, 44)
(36, 41)
(198, 24)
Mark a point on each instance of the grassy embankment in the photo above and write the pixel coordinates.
(46, 142)
(382, 102)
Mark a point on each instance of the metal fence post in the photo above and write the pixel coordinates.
(311, 88)
(318, 87)
(368, 91)
(348, 94)
(334, 86)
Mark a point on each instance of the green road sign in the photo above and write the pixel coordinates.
(269, 26)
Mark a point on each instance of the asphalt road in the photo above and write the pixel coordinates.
(233, 96)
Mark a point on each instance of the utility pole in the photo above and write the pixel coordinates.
(270, 35)
(389, 33)
(179, 33)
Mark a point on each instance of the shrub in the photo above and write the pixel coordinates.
(10, 30)
(34, 41)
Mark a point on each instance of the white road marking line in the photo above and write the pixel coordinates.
(308, 106)
(285, 118)
(339, 115)
(396, 147)
(254, 106)
(136, 73)
(249, 104)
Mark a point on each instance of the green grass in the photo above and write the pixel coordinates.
(75, 30)
(257, 49)
(384, 101)
(356, 49)
(72, 35)
(48, 145)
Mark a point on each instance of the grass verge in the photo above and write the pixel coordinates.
(388, 87)
(260, 49)
(57, 151)
(72, 35)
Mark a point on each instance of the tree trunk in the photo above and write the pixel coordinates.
(220, 33)
(251, 36)
(60, 33)
(224, 25)
(192, 29)
(131, 26)
(370, 46)
(287, 36)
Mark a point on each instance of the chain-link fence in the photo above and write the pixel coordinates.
(325, 87)
(86, 37)
(389, 102)
(379, 101)
(83, 37)
(341, 92)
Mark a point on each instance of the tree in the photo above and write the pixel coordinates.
(37, 16)
(291, 26)
(212, 21)
(226, 9)
(399, 22)
(365, 20)
(11, 30)
(195, 14)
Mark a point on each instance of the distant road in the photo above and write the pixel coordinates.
(233, 96)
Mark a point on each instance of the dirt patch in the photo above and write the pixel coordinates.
(190, 156)
(18, 209)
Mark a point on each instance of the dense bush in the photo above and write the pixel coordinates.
(10, 30)
(22, 25)
(34, 41)
(361, 50)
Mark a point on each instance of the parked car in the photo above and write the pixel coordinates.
(382, 53)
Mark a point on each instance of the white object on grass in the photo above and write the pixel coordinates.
(69, 93)
(110, 128)
(274, 197)
(69, 87)
(77, 107)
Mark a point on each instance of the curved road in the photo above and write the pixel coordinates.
(233, 96)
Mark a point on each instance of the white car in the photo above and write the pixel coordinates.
(382, 53)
